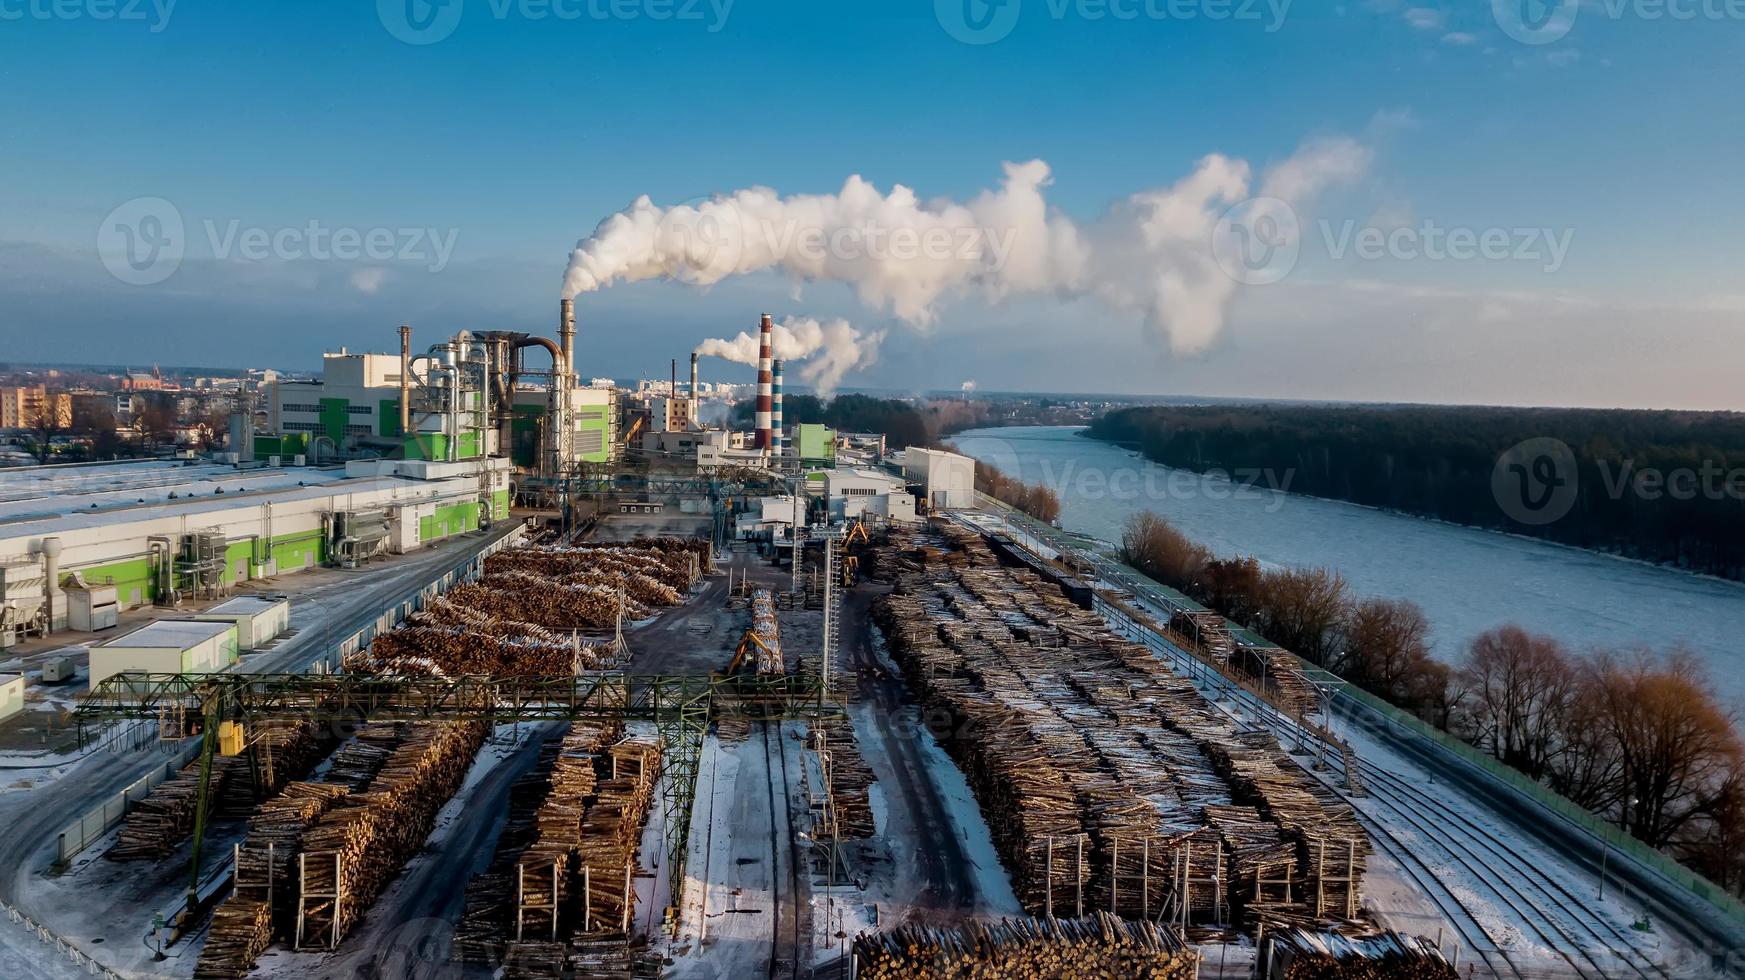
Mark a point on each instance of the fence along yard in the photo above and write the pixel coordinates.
(1109, 783)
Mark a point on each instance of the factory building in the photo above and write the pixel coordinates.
(815, 444)
(167, 646)
(160, 531)
(947, 479)
(356, 407)
(258, 619)
(862, 492)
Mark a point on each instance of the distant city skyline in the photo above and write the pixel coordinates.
(1533, 214)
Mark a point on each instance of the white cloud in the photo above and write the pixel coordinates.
(1459, 38)
(368, 280)
(1426, 18)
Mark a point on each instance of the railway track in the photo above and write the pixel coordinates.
(785, 895)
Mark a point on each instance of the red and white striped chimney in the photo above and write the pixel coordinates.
(766, 338)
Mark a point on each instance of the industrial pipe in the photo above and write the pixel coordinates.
(693, 391)
(775, 414)
(405, 381)
(566, 335)
(51, 567)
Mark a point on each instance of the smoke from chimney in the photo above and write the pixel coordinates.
(829, 348)
(1150, 253)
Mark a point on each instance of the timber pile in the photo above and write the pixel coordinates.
(453, 651)
(240, 933)
(545, 872)
(287, 751)
(1282, 675)
(490, 894)
(1108, 782)
(850, 781)
(165, 818)
(599, 838)
(528, 598)
(765, 633)
(444, 612)
(1297, 954)
(1099, 947)
(352, 852)
(1209, 629)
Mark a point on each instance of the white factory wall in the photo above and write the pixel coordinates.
(253, 629)
(949, 479)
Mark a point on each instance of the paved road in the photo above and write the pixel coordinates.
(942, 872)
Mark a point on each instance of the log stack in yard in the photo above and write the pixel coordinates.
(1108, 782)
(1296, 954)
(1095, 948)
(356, 848)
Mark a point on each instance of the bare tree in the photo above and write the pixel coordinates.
(1521, 685)
(42, 423)
(1676, 747)
(1150, 544)
(1302, 609)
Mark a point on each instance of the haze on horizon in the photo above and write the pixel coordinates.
(1477, 213)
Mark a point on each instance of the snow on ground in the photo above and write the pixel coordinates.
(26, 956)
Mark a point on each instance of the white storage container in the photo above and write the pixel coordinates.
(258, 619)
(168, 646)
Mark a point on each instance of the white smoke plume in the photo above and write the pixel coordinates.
(1150, 252)
(826, 349)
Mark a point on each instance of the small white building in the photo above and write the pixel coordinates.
(11, 695)
(168, 646)
(865, 492)
(259, 619)
(947, 479)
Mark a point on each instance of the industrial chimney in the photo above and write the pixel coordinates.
(766, 336)
(405, 381)
(775, 422)
(566, 340)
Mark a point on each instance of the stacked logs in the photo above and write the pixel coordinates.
(165, 818)
(850, 781)
(543, 600)
(595, 900)
(1099, 771)
(352, 852)
(490, 894)
(452, 651)
(1099, 947)
(1297, 954)
(287, 751)
(240, 933)
(765, 636)
(545, 873)
(1281, 674)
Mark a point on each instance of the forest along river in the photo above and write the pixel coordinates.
(1467, 580)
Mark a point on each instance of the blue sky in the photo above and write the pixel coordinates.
(519, 131)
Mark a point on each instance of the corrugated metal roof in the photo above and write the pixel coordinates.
(178, 634)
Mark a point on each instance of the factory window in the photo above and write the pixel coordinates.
(858, 491)
(358, 430)
(589, 441)
(301, 426)
(294, 407)
(359, 410)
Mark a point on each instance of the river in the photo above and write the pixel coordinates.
(1467, 580)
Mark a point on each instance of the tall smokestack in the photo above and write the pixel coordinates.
(566, 341)
(766, 337)
(775, 422)
(405, 382)
(693, 391)
(692, 394)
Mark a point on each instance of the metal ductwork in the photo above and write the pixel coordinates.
(405, 381)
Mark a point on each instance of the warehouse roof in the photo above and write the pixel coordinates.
(248, 604)
(173, 634)
(42, 492)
